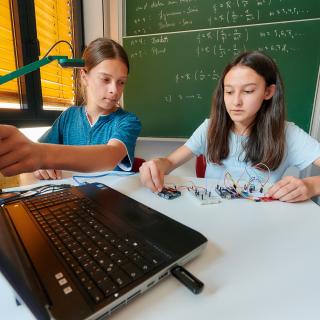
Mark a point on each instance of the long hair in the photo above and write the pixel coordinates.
(99, 50)
(266, 142)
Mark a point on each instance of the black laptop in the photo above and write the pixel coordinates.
(83, 252)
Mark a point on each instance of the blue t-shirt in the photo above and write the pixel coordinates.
(300, 151)
(73, 128)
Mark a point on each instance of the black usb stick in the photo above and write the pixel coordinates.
(187, 279)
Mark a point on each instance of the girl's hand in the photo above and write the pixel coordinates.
(152, 174)
(291, 189)
(17, 153)
(49, 174)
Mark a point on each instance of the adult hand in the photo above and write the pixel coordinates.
(291, 189)
(17, 153)
(152, 173)
(49, 174)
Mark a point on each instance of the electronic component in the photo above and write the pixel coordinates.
(252, 189)
(232, 193)
(203, 196)
(266, 199)
(256, 197)
(169, 193)
(227, 192)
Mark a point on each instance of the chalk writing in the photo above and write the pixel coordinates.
(281, 33)
(161, 39)
(220, 50)
(180, 97)
(221, 42)
(148, 17)
(156, 51)
(197, 75)
(224, 35)
(276, 47)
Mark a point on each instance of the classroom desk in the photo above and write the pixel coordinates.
(262, 260)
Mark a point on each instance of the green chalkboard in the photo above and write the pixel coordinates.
(173, 74)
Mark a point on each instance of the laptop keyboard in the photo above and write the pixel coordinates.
(103, 262)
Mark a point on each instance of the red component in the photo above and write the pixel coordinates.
(266, 199)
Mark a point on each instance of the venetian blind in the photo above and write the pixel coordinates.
(54, 22)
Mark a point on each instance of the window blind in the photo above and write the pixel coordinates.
(55, 22)
(9, 92)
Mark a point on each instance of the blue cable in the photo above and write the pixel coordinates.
(109, 173)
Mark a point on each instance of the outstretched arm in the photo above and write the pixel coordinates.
(152, 172)
(18, 154)
(291, 189)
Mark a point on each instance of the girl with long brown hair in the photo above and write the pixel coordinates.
(247, 127)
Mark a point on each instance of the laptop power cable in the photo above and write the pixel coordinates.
(187, 279)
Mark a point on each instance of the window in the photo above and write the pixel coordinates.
(28, 29)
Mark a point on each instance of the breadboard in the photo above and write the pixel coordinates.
(203, 196)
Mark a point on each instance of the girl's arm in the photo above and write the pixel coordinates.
(18, 154)
(292, 189)
(152, 172)
(83, 158)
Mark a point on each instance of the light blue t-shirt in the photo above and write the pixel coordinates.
(73, 128)
(300, 151)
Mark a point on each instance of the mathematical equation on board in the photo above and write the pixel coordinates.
(169, 15)
(180, 97)
(196, 75)
(188, 76)
(219, 42)
(205, 50)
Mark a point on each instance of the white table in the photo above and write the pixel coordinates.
(262, 260)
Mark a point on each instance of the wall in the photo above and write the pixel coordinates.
(93, 19)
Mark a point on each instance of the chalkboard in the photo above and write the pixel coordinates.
(177, 50)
